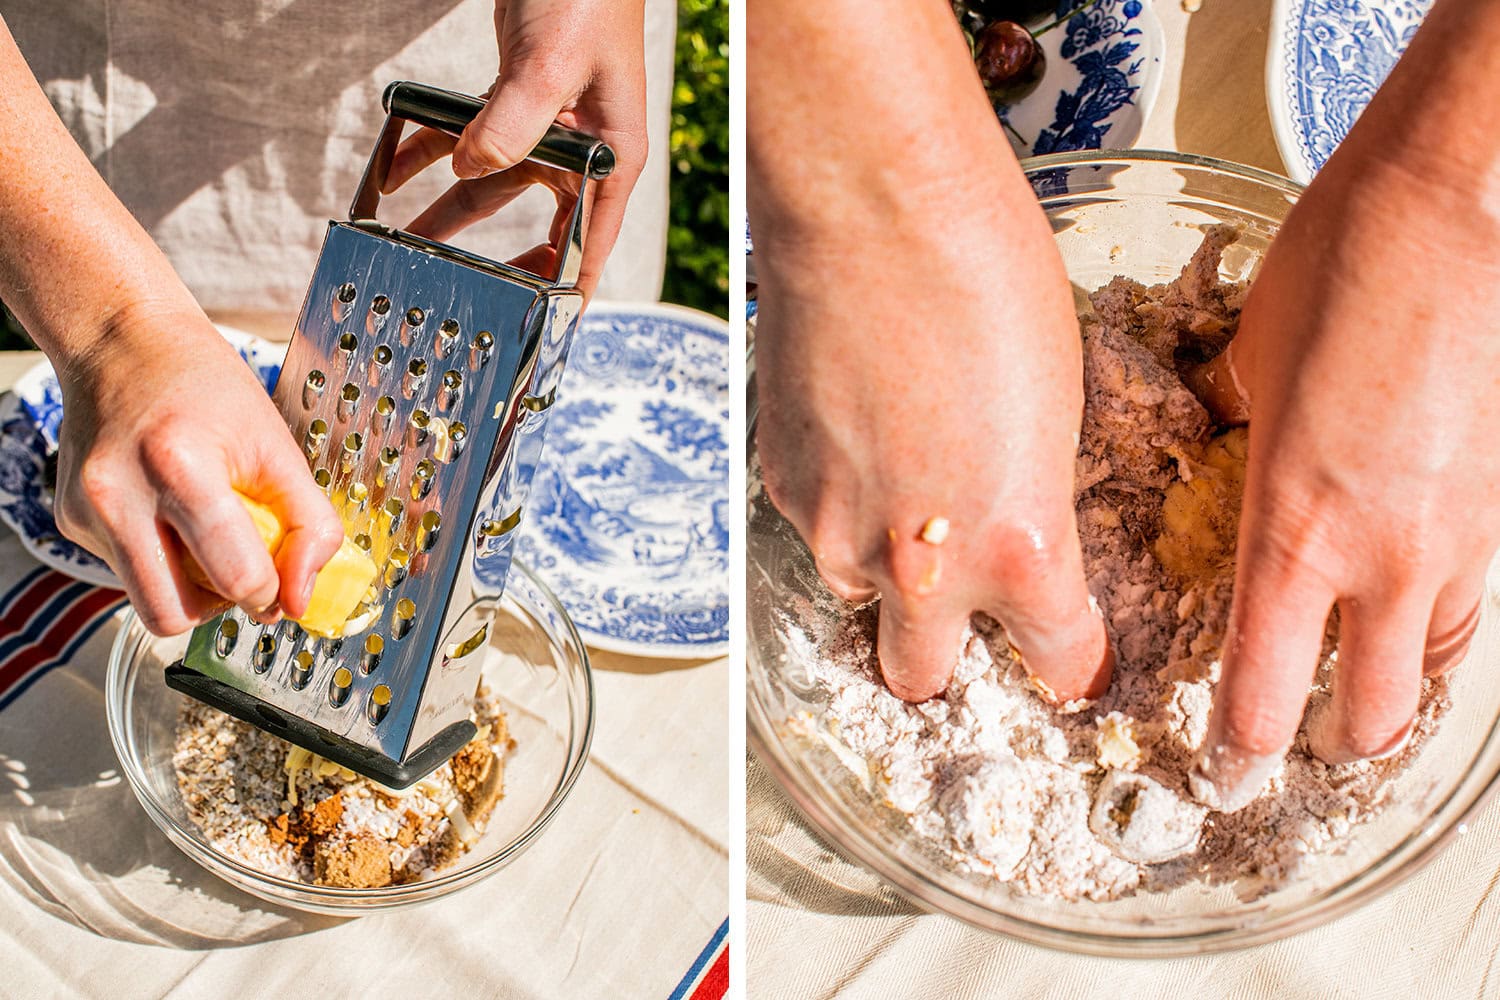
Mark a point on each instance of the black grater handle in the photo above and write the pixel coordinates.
(451, 112)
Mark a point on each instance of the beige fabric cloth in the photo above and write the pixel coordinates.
(1436, 936)
(235, 129)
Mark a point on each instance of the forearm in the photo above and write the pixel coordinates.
(861, 114)
(73, 257)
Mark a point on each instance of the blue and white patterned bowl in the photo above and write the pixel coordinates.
(1104, 69)
(1325, 60)
(627, 519)
(30, 417)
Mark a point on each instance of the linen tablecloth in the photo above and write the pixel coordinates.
(624, 895)
(1436, 936)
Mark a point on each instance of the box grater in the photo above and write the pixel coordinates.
(418, 381)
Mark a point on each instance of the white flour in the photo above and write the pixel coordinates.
(1093, 803)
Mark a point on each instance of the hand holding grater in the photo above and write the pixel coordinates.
(418, 380)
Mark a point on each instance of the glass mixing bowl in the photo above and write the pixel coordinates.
(541, 675)
(1139, 214)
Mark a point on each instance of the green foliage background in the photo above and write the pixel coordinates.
(698, 237)
(698, 233)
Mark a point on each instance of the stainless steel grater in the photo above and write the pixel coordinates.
(418, 381)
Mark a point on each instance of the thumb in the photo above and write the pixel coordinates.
(524, 102)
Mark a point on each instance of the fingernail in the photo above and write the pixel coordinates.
(1226, 779)
(307, 589)
(268, 615)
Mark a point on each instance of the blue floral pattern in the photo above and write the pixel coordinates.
(1103, 67)
(1336, 54)
(628, 516)
(30, 419)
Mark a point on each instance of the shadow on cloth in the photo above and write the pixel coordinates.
(788, 863)
(622, 663)
(74, 840)
(1217, 75)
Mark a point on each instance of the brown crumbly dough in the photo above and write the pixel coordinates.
(1093, 802)
(327, 826)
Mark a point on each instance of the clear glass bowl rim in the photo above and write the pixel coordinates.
(1406, 858)
(328, 899)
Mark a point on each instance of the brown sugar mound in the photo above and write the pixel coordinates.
(362, 861)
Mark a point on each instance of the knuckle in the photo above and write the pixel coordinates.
(98, 486)
(168, 457)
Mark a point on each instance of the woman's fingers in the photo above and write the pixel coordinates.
(918, 645)
(148, 559)
(1455, 618)
(1271, 650)
(1376, 683)
(416, 152)
(469, 200)
(523, 104)
(1052, 622)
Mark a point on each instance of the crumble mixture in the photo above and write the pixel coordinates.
(1092, 801)
(288, 812)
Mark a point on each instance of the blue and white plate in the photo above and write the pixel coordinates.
(1104, 69)
(30, 417)
(1325, 60)
(627, 519)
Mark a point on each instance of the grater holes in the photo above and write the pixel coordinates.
(389, 517)
(385, 406)
(406, 614)
(414, 318)
(313, 440)
(447, 336)
(481, 349)
(358, 496)
(343, 297)
(491, 530)
(348, 402)
(312, 389)
(428, 530)
(388, 464)
(421, 479)
(415, 377)
(369, 660)
(379, 362)
(416, 428)
(354, 443)
(396, 566)
(458, 435)
(449, 390)
(339, 686)
(380, 703)
(265, 653)
(362, 541)
(323, 478)
(226, 637)
(380, 307)
(348, 343)
(302, 669)
(461, 649)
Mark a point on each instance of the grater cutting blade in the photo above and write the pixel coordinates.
(418, 380)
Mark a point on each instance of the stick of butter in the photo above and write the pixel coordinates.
(338, 589)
